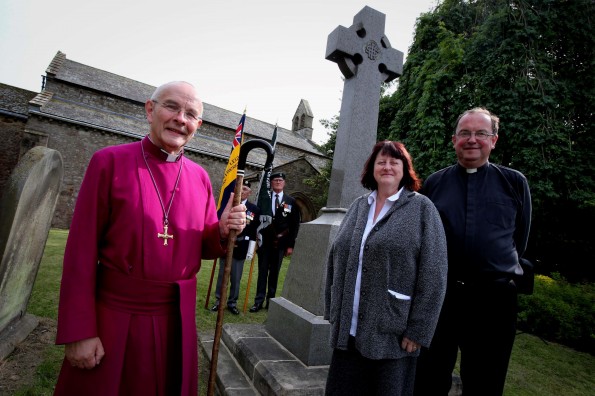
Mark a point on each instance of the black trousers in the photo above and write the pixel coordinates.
(235, 277)
(351, 374)
(269, 265)
(480, 320)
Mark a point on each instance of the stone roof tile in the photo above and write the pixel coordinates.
(14, 100)
(87, 76)
(41, 98)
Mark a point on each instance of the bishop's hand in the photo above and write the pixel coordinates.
(232, 218)
(84, 354)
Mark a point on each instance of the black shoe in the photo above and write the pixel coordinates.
(234, 310)
(256, 308)
(215, 308)
(266, 306)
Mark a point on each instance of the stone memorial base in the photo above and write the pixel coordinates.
(16, 333)
(302, 333)
(252, 362)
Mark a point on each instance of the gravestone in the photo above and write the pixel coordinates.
(366, 59)
(27, 207)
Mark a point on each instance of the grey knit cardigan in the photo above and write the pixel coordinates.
(405, 252)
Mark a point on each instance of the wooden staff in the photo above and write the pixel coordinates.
(244, 150)
(210, 284)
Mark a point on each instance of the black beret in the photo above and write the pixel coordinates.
(278, 174)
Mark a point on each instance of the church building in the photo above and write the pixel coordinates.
(81, 109)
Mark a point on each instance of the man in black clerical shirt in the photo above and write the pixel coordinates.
(486, 212)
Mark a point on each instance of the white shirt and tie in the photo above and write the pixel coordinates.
(276, 201)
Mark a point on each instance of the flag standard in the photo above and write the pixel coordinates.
(228, 185)
(263, 200)
(264, 203)
(229, 177)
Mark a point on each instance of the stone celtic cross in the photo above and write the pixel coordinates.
(366, 59)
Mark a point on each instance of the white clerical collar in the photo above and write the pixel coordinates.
(470, 170)
(170, 157)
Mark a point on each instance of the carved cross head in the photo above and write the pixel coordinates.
(363, 47)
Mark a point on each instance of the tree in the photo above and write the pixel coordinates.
(531, 62)
(323, 179)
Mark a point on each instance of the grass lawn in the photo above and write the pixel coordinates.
(537, 368)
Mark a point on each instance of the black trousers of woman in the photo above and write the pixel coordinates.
(351, 374)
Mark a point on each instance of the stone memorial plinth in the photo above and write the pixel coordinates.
(27, 207)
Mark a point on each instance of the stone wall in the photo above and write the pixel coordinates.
(13, 120)
(81, 110)
(77, 144)
(11, 134)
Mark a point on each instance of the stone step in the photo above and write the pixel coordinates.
(252, 362)
(230, 380)
(268, 367)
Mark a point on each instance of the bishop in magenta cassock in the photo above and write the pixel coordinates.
(145, 217)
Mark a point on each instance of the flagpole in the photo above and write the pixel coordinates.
(263, 204)
(249, 280)
(243, 155)
(228, 178)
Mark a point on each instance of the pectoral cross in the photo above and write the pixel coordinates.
(165, 235)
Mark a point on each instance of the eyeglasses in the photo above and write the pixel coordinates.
(174, 108)
(479, 135)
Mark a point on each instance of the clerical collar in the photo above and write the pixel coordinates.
(159, 152)
(473, 170)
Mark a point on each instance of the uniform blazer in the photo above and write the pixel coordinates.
(285, 225)
(249, 233)
(404, 253)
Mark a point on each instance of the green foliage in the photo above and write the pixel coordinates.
(560, 312)
(531, 62)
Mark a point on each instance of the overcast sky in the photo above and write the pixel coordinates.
(262, 55)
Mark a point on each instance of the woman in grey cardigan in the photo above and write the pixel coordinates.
(386, 278)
